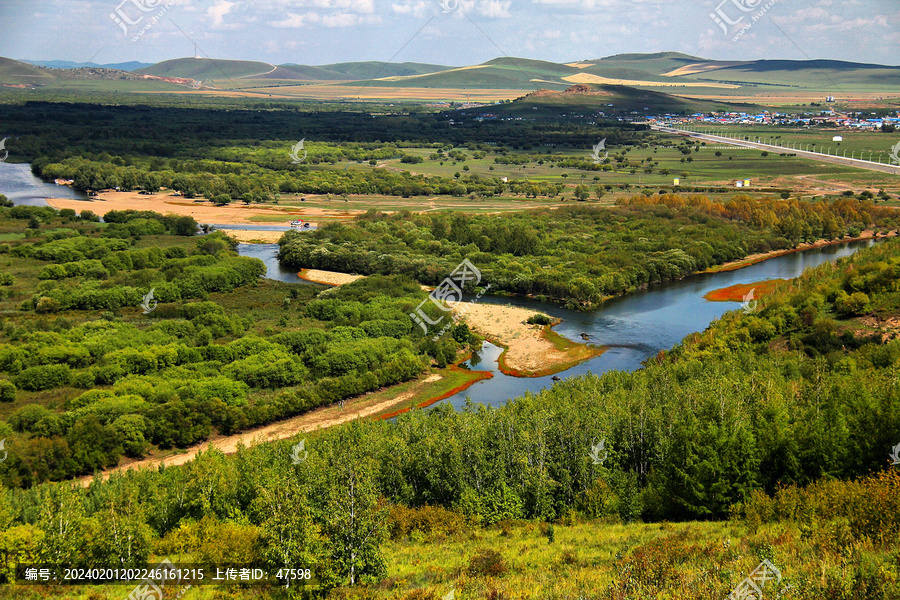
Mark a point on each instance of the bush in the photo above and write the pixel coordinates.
(429, 521)
(7, 391)
(539, 319)
(44, 377)
(487, 562)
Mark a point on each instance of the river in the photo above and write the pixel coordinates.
(633, 327)
(21, 186)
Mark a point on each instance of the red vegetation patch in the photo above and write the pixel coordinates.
(481, 376)
(737, 293)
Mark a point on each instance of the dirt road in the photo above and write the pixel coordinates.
(322, 418)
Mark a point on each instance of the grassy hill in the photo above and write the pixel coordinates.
(13, 72)
(610, 99)
(833, 75)
(376, 69)
(206, 68)
(352, 71)
(500, 73)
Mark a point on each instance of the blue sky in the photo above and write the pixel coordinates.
(451, 32)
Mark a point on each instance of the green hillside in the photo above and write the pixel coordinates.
(206, 68)
(610, 99)
(376, 69)
(654, 64)
(500, 73)
(301, 73)
(818, 74)
(13, 72)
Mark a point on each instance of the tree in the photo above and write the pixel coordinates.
(354, 518)
(63, 520)
(582, 193)
(284, 511)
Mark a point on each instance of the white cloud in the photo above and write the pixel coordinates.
(416, 9)
(218, 11)
(340, 20)
(292, 21)
(497, 9)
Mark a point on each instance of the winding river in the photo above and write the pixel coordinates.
(633, 327)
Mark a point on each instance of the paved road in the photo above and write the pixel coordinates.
(838, 160)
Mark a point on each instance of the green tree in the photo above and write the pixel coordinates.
(354, 520)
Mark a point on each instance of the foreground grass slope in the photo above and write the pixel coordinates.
(774, 428)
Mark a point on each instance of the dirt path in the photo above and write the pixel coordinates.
(321, 418)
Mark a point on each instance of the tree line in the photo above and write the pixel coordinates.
(579, 255)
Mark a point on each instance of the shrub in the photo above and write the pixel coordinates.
(7, 391)
(430, 521)
(44, 377)
(539, 319)
(487, 562)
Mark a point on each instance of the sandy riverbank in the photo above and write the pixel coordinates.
(531, 350)
(321, 418)
(203, 211)
(328, 277)
(254, 237)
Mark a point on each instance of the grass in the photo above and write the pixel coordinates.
(595, 560)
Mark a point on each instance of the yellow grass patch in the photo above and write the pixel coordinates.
(590, 78)
(701, 68)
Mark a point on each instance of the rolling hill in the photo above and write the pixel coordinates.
(13, 73)
(612, 100)
(772, 82)
(203, 69)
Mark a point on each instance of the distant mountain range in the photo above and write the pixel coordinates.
(65, 64)
(665, 72)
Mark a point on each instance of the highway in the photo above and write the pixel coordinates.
(838, 160)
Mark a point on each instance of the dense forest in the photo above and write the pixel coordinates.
(231, 155)
(92, 383)
(801, 391)
(62, 130)
(580, 254)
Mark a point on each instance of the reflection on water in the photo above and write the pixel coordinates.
(268, 253)
(637, 326)
(19, 185)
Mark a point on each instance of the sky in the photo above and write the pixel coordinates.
(448, 32)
